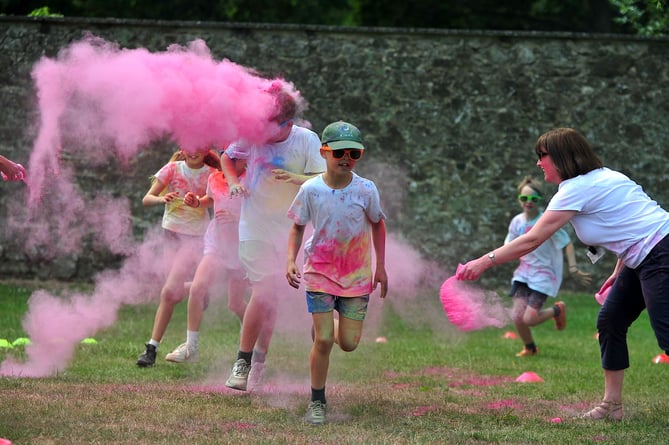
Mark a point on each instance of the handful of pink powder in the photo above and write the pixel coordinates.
(469, 307)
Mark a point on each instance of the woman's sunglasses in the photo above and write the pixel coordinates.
(533, 198)
(353, 153)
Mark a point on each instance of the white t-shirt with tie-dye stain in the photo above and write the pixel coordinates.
(540, 269)
(179, 177)
(338, 256)
(263, 215)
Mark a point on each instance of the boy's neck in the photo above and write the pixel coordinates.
(337, 180)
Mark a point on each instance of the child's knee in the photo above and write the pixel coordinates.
(348, 344)
(323, 345)
(172, 295)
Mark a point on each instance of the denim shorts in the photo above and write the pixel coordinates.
(354, 308)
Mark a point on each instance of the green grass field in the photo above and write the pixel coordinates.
(428, 384)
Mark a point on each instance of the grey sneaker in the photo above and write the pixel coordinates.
(256, 377)
(239, 375)
(316, 412)
(183, 354)
(148, 357)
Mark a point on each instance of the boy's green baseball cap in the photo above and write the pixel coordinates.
(340, 135)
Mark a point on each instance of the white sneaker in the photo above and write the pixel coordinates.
(239, 376)
(183, 354)
(256, 377)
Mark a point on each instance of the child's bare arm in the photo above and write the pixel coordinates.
(294, 243)
(379, 241)
(153, 196)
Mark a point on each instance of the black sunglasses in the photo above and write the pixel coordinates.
(352, 153)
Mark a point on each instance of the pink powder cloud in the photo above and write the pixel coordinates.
(98, 101)
(470, 307)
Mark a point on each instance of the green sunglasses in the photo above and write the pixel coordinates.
(533, 198)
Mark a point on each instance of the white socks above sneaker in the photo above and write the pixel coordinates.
(193, 339)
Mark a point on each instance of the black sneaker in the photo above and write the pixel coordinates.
(148, 358)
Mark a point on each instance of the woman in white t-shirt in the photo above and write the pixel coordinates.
(610, 211)
(539, 274)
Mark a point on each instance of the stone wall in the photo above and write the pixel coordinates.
(450, 117)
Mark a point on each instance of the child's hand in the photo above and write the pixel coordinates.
(191, 200)
(583, 278)
(293, 275)
(380, 277)
(171, 196)
(238, 190)
(286, 176)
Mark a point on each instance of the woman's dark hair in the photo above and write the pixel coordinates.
(570, 152)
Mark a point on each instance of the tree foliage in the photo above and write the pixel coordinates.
(644, 17)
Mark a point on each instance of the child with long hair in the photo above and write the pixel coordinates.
(184, 226)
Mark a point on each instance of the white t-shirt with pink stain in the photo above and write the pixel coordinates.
(540, 269)
(338, 256)
(178, 217)
(263, 216)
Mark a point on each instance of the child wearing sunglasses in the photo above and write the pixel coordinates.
(348, 222)
(539, 274)
(612, 212)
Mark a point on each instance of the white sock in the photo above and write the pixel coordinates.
(192, 339)
(154, 343)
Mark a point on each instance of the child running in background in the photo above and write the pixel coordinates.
(539, 274)
(184, 225)
(276, 170)
(220, 261)
(345, 211)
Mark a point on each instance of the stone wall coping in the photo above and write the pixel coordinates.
(335, 29)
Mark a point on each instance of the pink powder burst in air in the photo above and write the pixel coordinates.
(116, 101)
(471, 308)
(100, 103)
